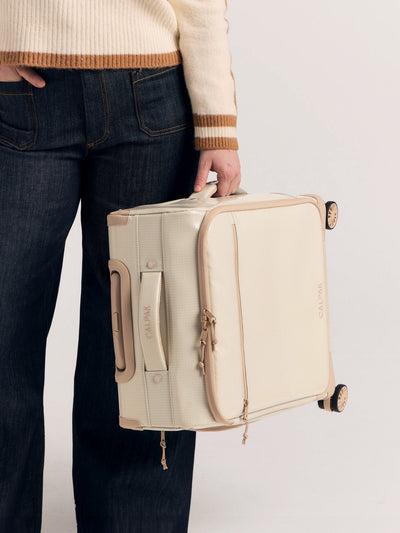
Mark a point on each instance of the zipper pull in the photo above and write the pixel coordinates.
(212, 319)
(203, 335)
(246, 405)
(203, 339)
(163, 446)
(201, 362)
(207, 320)
(213, 337)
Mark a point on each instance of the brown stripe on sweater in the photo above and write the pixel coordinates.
(216, 143)
(214, 120)
(46, 59)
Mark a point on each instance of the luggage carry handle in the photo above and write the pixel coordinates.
(149, 321)
(210, 188)
(122, 325)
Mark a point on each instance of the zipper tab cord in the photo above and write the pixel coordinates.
(213, 337)
(245, 417)
(201, 362)
(163, 446)
(203, 340)
(207, 320)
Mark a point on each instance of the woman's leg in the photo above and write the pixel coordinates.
(143, 153)
(39, 196)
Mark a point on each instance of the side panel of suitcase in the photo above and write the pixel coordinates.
(164, 295)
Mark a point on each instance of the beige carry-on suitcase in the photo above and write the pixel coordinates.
(220, 310)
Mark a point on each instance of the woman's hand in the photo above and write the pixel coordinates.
(18, 73)
(227, 166)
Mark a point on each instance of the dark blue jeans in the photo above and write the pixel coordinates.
(109, 139)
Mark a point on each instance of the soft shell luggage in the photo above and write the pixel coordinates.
(220, 309)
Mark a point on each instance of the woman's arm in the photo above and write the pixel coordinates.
(203, 42)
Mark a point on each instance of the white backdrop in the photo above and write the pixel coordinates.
(318, 87)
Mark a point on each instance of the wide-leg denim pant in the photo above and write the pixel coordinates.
(109, 139)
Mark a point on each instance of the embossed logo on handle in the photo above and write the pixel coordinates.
(147, 322)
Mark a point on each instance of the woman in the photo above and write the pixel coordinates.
(111, 104)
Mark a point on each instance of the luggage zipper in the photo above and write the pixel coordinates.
(239, 302)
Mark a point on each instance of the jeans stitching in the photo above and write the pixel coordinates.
(156, 73)
(86, 108)
(107, 117)
(33, 121)
(142, 125)
(156, 133)
(105, 113)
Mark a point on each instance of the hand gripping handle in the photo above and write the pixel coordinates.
(210, 188)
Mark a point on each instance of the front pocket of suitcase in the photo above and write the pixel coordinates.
(281, 288)
(266, 282)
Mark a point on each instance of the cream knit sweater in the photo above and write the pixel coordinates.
(133, 33)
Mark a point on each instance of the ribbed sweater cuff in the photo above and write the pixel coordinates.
(215, 132)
